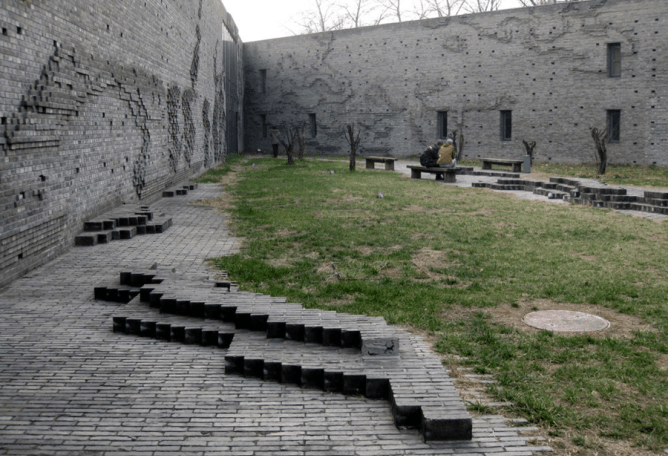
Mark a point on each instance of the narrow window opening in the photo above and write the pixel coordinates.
(265, 133)
(442, 124)
(614, 125)
(614, 60)
(506, 125)
(314, 125)
(263, 81)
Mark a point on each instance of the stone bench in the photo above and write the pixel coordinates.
(515, 164)
(447, 174)
(389, 162)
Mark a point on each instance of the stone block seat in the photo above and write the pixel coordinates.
(448, 175)
(122, 223)
(516, 165)
(268, 338)
(387, 161)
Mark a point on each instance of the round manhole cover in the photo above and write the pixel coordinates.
(565, 321)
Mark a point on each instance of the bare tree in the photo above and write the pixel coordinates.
(301, 141)
(529, 147)
(359, 13)
(325, 16)
(354, 141)
(481, 6)
(544, 2)
(600, 137)
(393, 8)
(443, 8)
(289, 142)
(458, 141)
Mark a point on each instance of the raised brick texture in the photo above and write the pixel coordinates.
(106, 103)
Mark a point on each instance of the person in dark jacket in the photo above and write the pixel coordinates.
(429, 158)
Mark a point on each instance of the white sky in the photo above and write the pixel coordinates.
(265, 19)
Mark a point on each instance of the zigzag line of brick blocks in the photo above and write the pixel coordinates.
(121, 224)
(283, 342)
(581, 193)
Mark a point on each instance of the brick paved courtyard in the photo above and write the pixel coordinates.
(71, 386)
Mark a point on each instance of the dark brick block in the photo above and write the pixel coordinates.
(291, 373)
(377, 388)
(272, 371)
(168, 305)
(234, 365)
(182, 307)
(453, 426)
(196, 309)
(294, 332)
(193, 336)
(275, 329)
(333, 382)
(253, 367)
(354, 385)
(331, 337)
(313, 334)
(351, 339)
(85, 240)
(147, 329)
(228, 313)
(163, 331)
(209, 337)
(119, 324)
(242, 320)
(312, 377)
(178, 334)
(258, 322)
(212, 311)
(225, 339)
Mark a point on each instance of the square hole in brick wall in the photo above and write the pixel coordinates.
(4, 121)
(4, 31)
(19, 30)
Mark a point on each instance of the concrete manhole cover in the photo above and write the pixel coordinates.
(565, 321)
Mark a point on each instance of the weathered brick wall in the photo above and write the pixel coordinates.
(105, 103)
(548, 65)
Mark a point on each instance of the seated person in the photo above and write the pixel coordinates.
(429, 158)
(447, 155)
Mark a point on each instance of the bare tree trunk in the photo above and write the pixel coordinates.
(354, 141)
(458, 142)
(289, 143)
(529, 146)
(301, 141)
(600, 137)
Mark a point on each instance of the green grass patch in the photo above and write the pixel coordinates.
(325, 240)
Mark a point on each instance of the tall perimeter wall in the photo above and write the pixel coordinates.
(547, 65)
(106, 103)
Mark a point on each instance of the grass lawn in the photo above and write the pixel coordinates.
(463, 266)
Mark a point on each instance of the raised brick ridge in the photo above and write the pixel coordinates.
(283, 342)
(122, 223)
(589, 193)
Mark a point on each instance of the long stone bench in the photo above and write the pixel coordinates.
(446, 174)
(388, 161)
(515, 164)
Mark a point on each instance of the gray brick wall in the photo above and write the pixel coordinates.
(548, 65)
(87, 118)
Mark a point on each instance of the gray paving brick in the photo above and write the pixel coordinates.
(69, 384)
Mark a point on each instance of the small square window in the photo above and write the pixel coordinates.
(614, 60)
(614, 125)
(506, 125)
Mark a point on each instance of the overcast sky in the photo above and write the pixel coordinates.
(265, 19)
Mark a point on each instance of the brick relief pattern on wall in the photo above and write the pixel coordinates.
(99, 108)
(547, 65)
